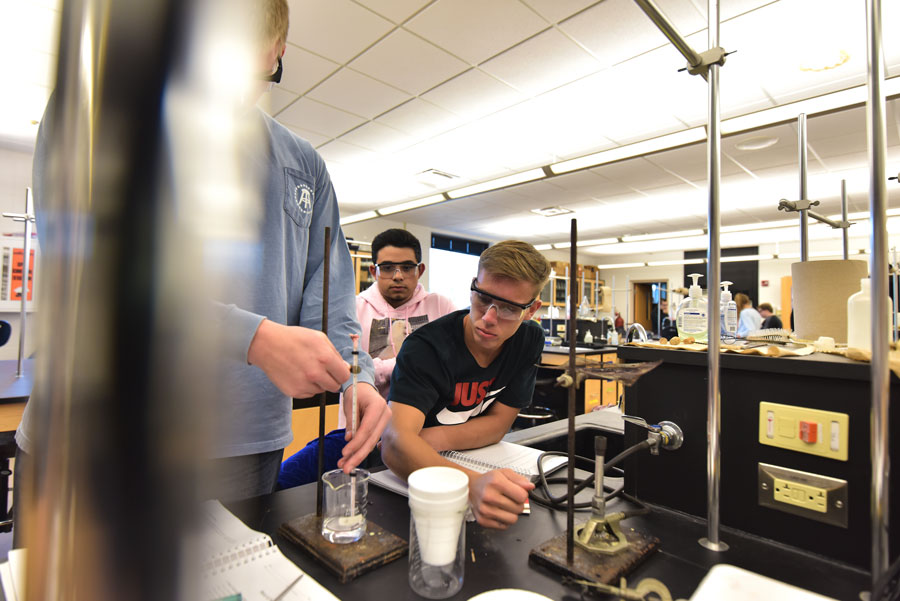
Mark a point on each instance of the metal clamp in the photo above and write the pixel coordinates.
(796, 205)
(713, 56)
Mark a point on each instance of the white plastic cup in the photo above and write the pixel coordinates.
(438, 499)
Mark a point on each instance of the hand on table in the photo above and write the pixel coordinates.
(498, 497)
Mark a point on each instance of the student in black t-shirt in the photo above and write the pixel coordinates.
(460, 381)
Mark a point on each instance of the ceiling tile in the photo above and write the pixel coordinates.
(589, 184)
(377, 137)
(546, 61)
(395, 10)
(690, 162)
(310, 136)
(408, 62)
(303, 69)
(475, 30)
(357, 93)
(557, 10)
(344, 153)
(318, 117)
(600, 30)
(316, 23)
(276, 100)
(473, 94)
(637, 173)
(420, 119)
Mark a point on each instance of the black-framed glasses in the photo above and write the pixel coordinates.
(506, 309)
(387, 270)
(276, 76)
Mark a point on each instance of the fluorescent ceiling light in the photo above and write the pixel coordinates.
(631, 150)
(620, 265)
(810, 106)
(743, 258)
(862, 215)
(543, 246)
(501, 182)
(663, 236)
(358, 217)
(766, 225)
(676, 262)
(412, 204)
(598, 242)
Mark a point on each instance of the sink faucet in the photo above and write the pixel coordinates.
(637, 330)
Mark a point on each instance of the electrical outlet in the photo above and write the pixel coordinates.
(810, 497)
(813, 496)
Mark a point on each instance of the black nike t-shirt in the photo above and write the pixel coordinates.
(436, 373)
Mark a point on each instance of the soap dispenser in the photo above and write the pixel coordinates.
(728, 312)
(691, 317)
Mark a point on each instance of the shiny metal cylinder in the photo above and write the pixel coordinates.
(804, 221)
(26, 275)
(713, 278)
(875, 118)
(845, 233)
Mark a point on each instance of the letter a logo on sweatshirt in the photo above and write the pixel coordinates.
(303, 198)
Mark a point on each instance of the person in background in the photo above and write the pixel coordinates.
(398, 304)
(749, 319)
(460, 381)
(389, 312)
(770, 320)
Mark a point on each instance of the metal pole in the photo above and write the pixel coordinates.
(668, 30)
(320, 459)
(570, 474)
(26, 272)
(875, 107)
(895, 274)
(713, 400)
(845, 234)
(801, 143)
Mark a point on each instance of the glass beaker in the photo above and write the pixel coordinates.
(344, 505)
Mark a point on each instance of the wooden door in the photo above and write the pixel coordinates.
(642, 303)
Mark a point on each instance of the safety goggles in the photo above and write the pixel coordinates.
(506, 309)
(387, 270)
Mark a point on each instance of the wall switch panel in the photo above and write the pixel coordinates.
(806, 430)
(816, 497)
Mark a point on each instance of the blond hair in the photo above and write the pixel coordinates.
(275, 21)
(516, 260)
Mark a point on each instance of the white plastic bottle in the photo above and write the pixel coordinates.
(691, 317)
(728, 312)
(859, 317)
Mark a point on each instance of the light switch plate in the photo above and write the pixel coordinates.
(780, 426)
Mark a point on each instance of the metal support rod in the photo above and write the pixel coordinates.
(895, 274)
(823, 219)
(573, 388)
(668, 30)
(845, 234)
(713, 399)
(26, 274)
(804, 227)
(875, 109)
(320, 459)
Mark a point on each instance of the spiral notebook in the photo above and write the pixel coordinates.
(521, 459)
(243, 563)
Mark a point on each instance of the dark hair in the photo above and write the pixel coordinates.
(766, 307)
(400, 239)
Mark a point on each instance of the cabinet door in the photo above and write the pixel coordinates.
(561, 290)
(545, 293)
(364, 279)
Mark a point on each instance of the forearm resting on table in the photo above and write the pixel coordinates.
(473, 434)
(405, 452)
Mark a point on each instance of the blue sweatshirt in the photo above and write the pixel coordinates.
(281, 281)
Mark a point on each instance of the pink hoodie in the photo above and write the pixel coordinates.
(384, 328)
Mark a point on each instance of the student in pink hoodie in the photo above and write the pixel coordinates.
(397, 304)
(388, 312)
